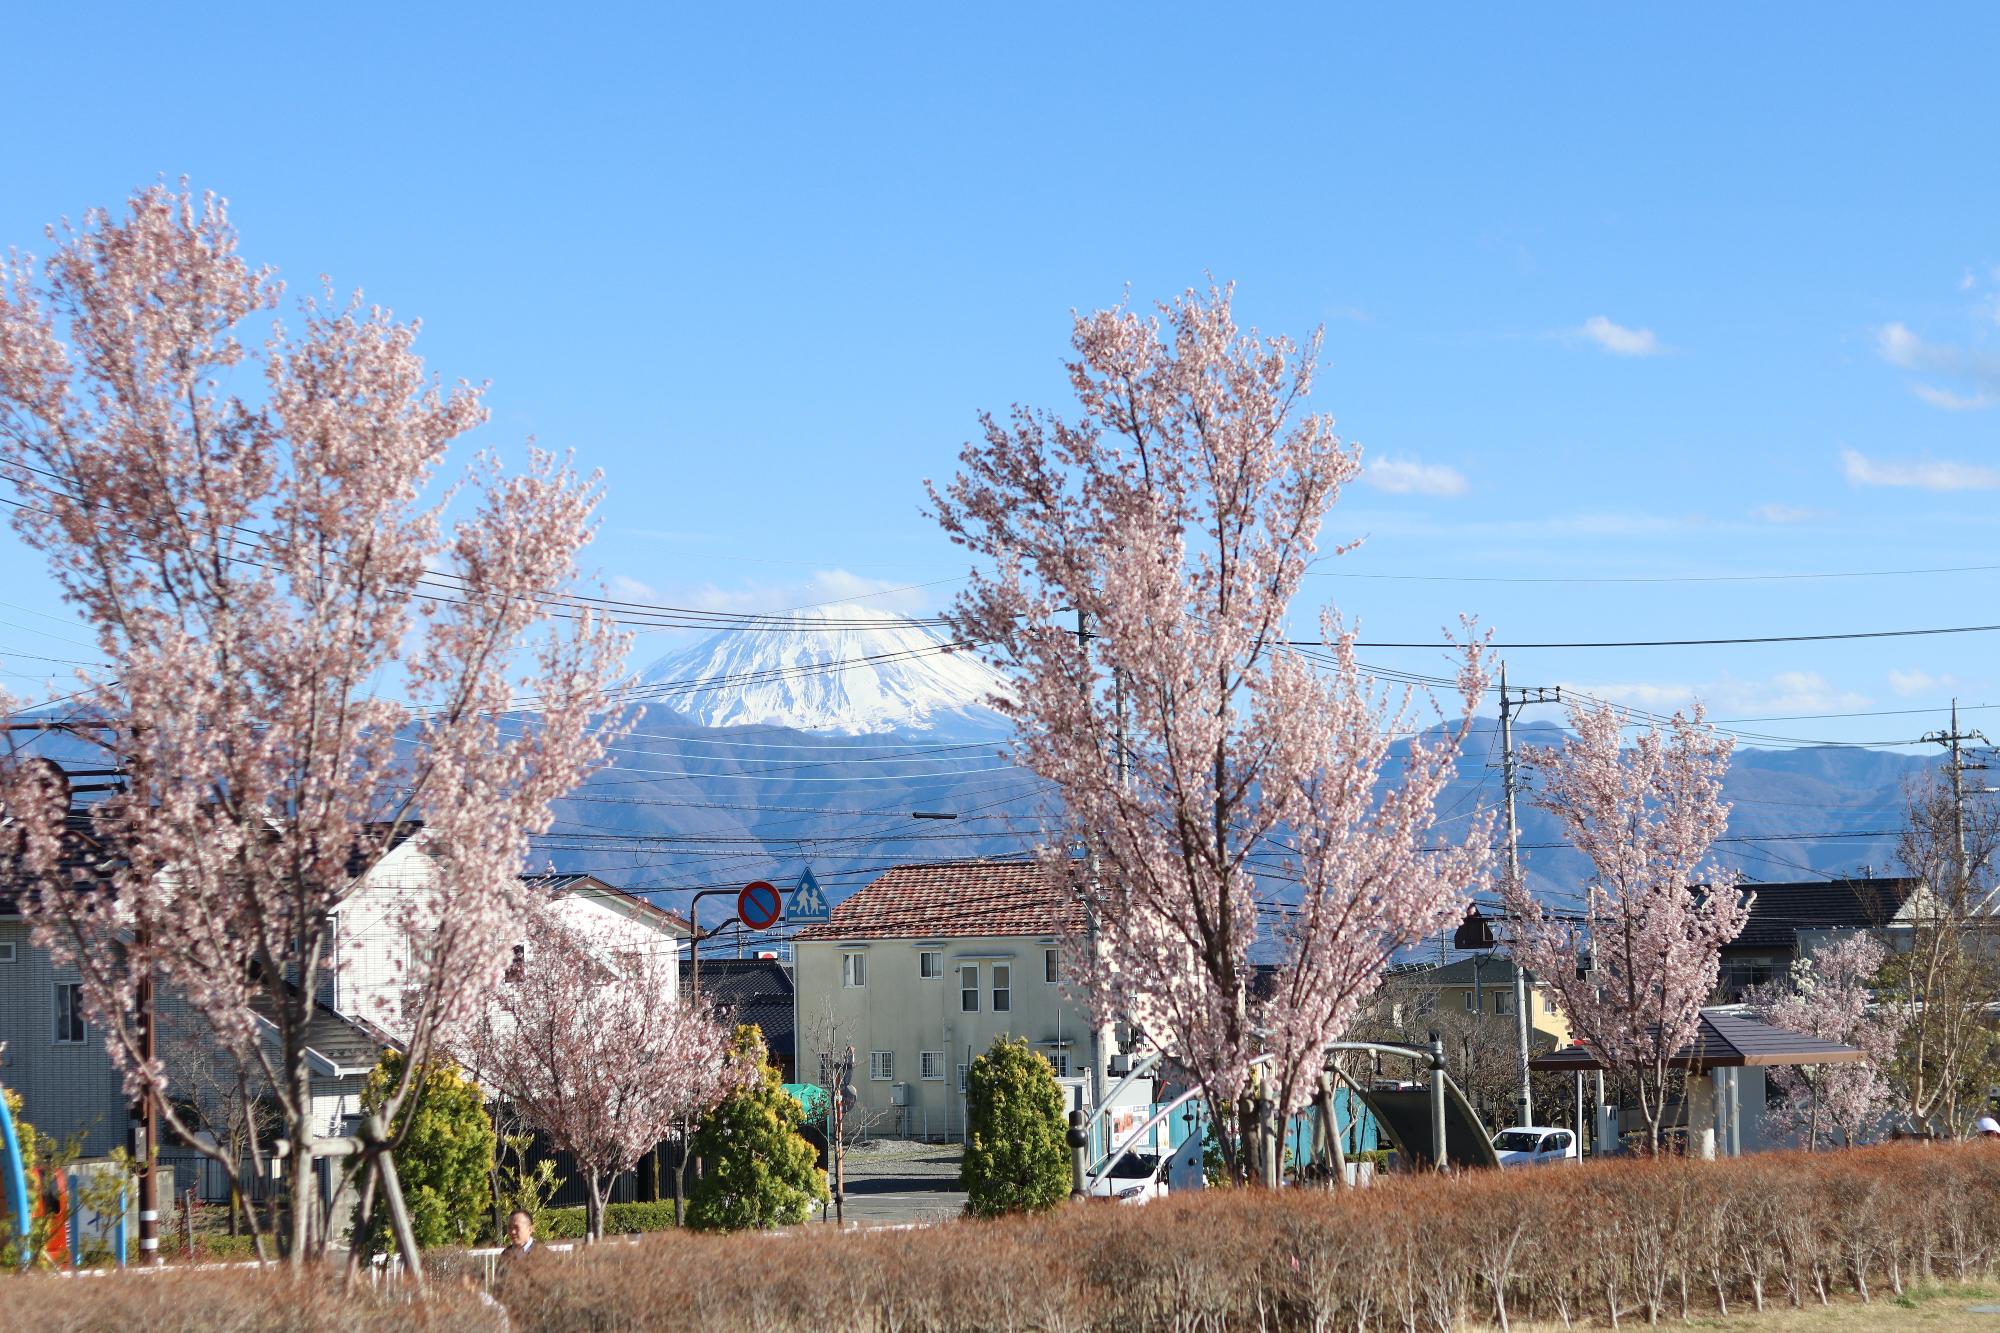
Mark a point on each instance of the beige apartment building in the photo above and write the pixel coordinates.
(923, 968)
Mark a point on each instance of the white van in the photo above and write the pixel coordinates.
(1534, 1145)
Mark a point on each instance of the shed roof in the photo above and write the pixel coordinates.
(955, 898)
(1722, 1040)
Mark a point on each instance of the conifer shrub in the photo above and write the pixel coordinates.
(444, 1161)
(1017, 1156)
(757, 1169)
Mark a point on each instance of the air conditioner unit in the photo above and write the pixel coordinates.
(899, 1094)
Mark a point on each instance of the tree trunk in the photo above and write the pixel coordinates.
(300, 1178)
(593, 1221)
(1331, 1155)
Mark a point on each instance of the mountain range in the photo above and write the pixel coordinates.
(761, 751)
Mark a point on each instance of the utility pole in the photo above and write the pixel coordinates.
(1510, 702)
(148, 1116)
(1100, 1083)
(1957, 766)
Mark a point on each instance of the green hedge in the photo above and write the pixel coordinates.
(620, 1219)
(222, 1245)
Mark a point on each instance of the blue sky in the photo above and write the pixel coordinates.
(1680, 294)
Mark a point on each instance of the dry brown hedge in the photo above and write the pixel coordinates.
(228, 1301)
(1620, 1242)
(1624, 1241)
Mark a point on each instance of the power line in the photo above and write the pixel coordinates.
(1661, 578)
(1674, 643)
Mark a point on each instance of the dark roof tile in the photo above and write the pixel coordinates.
(1780, 911)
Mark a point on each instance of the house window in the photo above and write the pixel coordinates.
(932, 1069)
(930, 964)
(1003, 989)
(1503, 1003)
(1060, 1059)
(1052, 965)
(853, 970)
(1471, 1003)
(881, 1066)
(69, 1013)
(7, 952)
(968, 988)
(961, 1078)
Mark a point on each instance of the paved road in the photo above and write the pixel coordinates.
(891, 1181)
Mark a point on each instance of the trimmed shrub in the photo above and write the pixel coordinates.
(620, 1219)
(1017, 1157)
(1555, 1246)
(239, 1301)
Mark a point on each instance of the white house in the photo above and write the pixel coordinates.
(923, 968)
(66, 1078)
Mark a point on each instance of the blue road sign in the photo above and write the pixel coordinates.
(808, 903)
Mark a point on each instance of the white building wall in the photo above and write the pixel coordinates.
(612, 925)
(372, 944)
(903, 1013)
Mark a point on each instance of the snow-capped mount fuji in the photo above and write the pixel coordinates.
(846, 669)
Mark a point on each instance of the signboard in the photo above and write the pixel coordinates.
(808, 903)
(759, 906)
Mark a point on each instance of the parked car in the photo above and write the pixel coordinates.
(1534, 1145)
(1136, 1178)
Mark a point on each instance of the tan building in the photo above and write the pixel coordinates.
(1477, 986)
(922, 969)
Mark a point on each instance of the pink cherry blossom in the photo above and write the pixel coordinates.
(1828, 995)
(1231, 791)
(597, 1051)
(305, 656)
(1647, 816)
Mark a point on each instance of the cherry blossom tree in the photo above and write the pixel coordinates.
(596, 1050)
(1647, 816)
(1943, 980)
(1231, 790)
(1829, 996)
(308, 654)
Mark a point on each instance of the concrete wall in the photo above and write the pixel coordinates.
(903, 1013)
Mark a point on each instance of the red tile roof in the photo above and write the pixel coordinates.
(955, 898)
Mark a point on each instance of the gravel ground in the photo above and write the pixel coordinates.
(894, 1181)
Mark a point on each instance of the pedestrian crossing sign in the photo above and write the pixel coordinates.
(808, 903)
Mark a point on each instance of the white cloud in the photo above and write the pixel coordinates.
(1909, 684)
(1784, 513)
(630, 590)
(1619, 340)
(1976, 369)
(1924, 474)
(825, 587)
(1782, 694)
(1949, 401)
(1406, 476)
